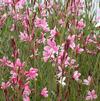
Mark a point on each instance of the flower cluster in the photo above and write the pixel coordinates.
(49, 49)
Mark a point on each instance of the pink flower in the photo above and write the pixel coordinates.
(41, 23)
(16, 64)
(52, 44)
(50, 50)
(20, 3)
(53, 32)
(4, 61)
(26, 93)
(67, 61)
(8, 1)
(44, 92)
(80, 24)
(13, 77)
(91, 95)
(5, 85)
(47, 53)
(32, 73)
(71, 39)
(61, 22)
(16, 16)
(72, 61)
(41, 7)
(1, 8)
(60, 56)
(43, 13)
(25, 37)
(87, 81)
(76, 75)
(91, 39)
(50, 4)
(76, 6)
(78, 49)
(25, 22)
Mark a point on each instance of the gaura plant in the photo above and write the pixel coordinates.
(49, 50)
